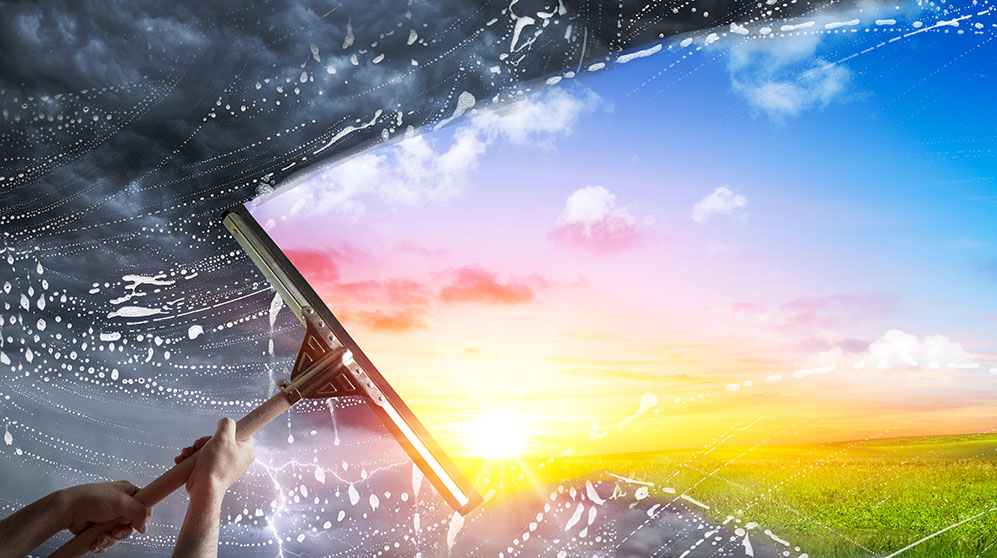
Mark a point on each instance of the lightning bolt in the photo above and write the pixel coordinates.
(291, 467)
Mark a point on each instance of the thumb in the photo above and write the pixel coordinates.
(226, 429)
(127, 487)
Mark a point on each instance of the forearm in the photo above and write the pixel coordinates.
(25, 529)
(199, 534)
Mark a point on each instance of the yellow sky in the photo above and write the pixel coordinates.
(582, 393)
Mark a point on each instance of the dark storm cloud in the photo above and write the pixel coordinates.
(159, 70)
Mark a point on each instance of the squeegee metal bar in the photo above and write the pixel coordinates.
(266, 263)
(431, 459)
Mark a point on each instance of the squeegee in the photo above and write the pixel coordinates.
(329, 364)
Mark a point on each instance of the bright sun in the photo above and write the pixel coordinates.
(497, 434)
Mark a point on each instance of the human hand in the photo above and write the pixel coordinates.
(100, 502)
(221, 460)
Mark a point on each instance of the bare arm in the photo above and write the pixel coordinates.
(199, 534)
(30, 526)
(220, 462)
(73, 508)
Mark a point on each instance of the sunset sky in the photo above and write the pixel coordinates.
(636, 260)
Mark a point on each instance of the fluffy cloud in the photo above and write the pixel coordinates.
(422, 169)
(722, 201)
(783, 76)
(474, 284)
(535, 120)
(592, 221)
(412, 172)
(896, 350)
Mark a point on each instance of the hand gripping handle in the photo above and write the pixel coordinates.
(173, 479)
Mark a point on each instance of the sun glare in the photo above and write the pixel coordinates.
(498, 434)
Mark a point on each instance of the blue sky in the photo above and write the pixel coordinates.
(705, 221)
(891, 184)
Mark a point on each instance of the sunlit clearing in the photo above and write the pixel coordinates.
(498, 433)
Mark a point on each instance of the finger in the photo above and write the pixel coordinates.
(78, 525)
(197, 444)
(143, 525)
(226, 429)
(129, 507)
(189, 450)
(101, 544)
(113, 542)
(184, 454)
(126, 487)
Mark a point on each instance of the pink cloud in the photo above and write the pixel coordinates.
(403, 320)
(316, 266)
(609, 236)
(852, 346)
(395, 292)
(592, 222)
(834, 310)
(474, 284)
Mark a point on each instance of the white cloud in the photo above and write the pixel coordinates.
(592, 221)
(422, 169)
(899, 350)
(536, 119)
(722, 201)
(783, 76)
(591, 204)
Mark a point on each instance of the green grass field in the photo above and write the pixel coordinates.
(838, 500)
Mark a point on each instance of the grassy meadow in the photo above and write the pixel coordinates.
(865, 498)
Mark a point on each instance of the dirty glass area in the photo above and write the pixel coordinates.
(675, 281)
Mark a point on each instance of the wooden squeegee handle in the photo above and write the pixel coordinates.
(173, 479)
